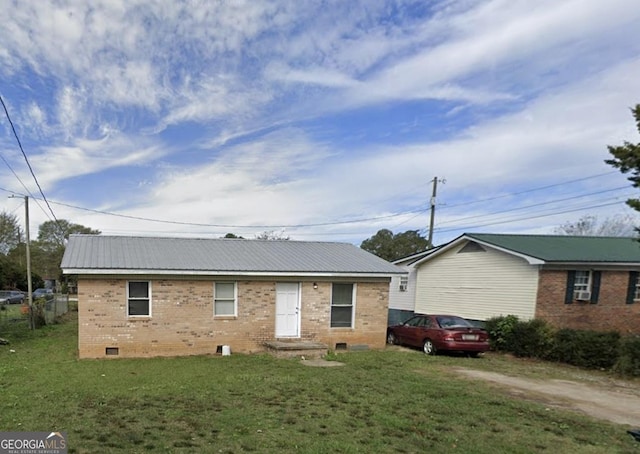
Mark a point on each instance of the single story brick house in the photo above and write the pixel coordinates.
(570, 281)
(146, 296)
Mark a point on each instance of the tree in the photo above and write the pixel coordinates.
(10, 233)
(233, 235)
(272, 235)
(391, 247)
(54, 234)
(48, 249)
(618, 225)
(626, 158)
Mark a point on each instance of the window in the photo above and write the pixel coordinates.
(404, 281)
(224, 299)
(582, 286)
(342, 299)
(139, 299)
(633, 290)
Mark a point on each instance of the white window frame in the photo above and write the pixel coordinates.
(149, 297)
(216, 299)
(579, 287)
(636, 294)
(404, 283)
(353, 305)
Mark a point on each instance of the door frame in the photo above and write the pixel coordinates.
(298, 310)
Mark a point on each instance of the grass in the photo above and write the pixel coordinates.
(380, 401)
(13, 323)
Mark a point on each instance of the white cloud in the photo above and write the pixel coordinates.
(85, 157)
(495, 33)
(69, 112)
(232, 97)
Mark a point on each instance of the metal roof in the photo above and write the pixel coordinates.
(99, 254)
(564, 248)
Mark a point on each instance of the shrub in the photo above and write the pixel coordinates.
(583, 348)
(532, 338)
(500, 331)
(629, 359)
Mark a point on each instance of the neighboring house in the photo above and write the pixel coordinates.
(402, 292)
(570, 281)
(142, 296)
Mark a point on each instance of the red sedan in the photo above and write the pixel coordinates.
(440, 332)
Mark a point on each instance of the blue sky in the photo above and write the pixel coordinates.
(322, 120)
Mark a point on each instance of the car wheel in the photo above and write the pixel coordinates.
(473, 354)
(392, 339)
(428, 348)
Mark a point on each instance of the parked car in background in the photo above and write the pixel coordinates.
(11, 297)
(45, 293)
(435, 333)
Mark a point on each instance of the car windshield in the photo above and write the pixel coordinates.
(453, 322)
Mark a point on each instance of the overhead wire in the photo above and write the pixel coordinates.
(526, 218)
(524, 207)
(416, 212)
(236, 226)
(24, 154)
(526, 191)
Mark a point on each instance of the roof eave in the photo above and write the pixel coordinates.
(530, 259)
(594, 263)
(147, 272)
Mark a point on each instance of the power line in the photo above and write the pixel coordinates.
(15, 134)
(416, 211)
(234, 226)
(549, 202)
(526, 218)
(540, 188)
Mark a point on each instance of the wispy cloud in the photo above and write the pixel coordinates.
(288, 112)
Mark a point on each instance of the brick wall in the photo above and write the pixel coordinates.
(610, 313)
(182, 321)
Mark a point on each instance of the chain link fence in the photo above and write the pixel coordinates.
(15, 318)
(55, 307)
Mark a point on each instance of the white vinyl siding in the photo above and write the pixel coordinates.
(477, 285)
(403, 300)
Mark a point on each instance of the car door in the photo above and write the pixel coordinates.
(431, 330)
(414, 331)
(403, 331)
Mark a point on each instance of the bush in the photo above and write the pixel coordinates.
(533, 338)
(583, 348)
(629, 359)
(500, 331)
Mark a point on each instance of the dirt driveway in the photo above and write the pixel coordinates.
(616, 403)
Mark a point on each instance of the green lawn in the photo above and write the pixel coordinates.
(379, 402)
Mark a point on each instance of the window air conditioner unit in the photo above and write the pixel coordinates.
(583, 296)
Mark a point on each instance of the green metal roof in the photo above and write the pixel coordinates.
(563, 248)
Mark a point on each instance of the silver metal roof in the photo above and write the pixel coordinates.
(99, 254)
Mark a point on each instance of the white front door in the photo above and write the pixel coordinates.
(287, 309)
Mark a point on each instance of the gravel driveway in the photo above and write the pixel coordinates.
(618, 404)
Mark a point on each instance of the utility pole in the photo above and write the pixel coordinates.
(433, 210)
(29, 284)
